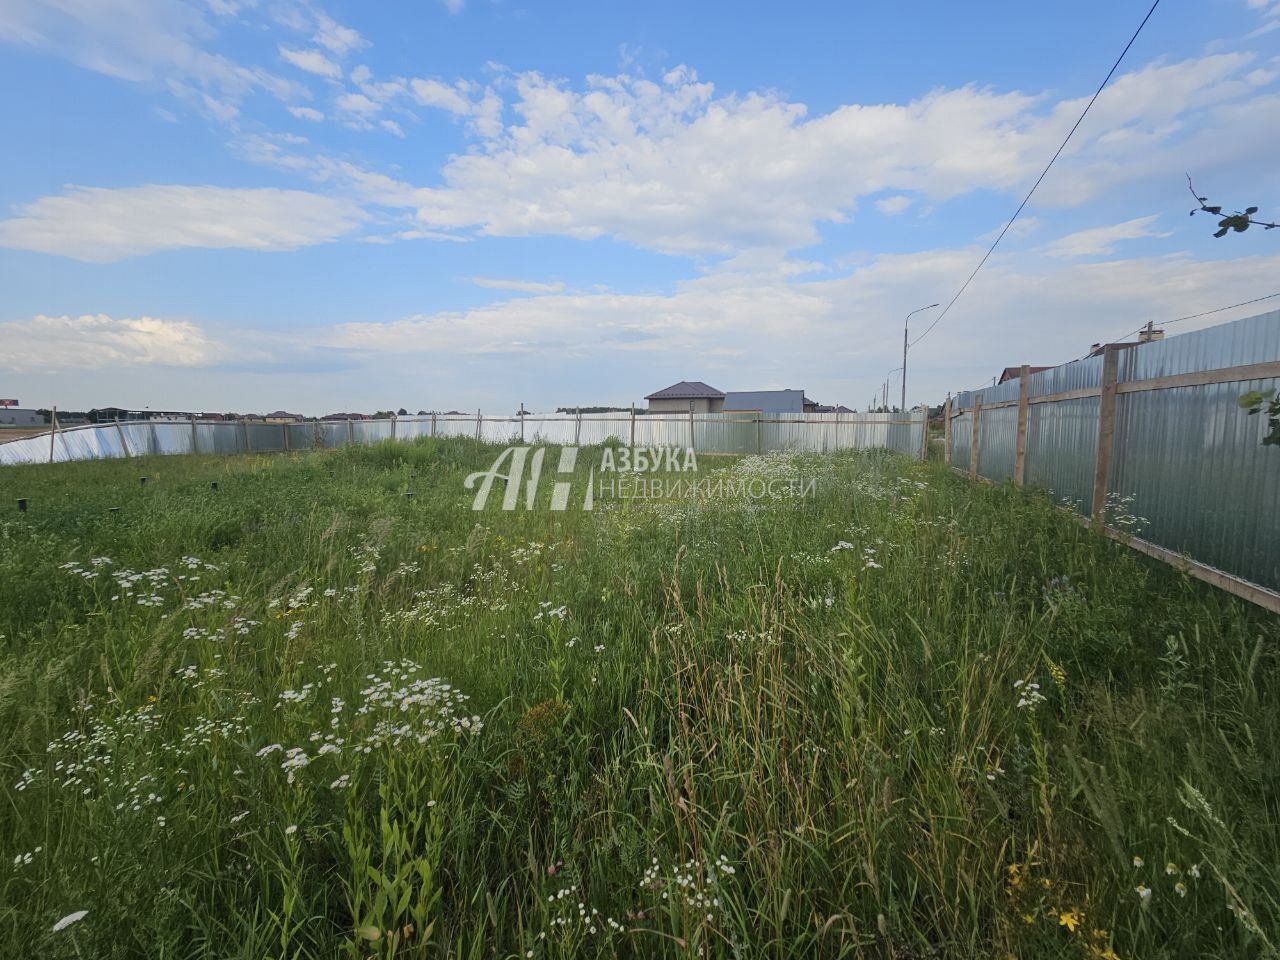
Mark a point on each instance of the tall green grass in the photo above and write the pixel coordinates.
(802, 728)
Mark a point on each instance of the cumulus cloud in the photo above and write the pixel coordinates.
(97, 341)
(1101, 240)
(312, 61)
(101, 225)
(307, 113)
(674, 166)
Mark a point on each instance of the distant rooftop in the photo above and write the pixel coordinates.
(687, 390)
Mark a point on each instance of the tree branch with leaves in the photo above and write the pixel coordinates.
(1238, 221)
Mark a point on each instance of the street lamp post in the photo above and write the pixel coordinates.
(904, 351)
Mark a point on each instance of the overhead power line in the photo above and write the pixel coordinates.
(1107, 79)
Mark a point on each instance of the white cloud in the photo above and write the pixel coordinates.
(454, 6)
(893, 205)
(312, 61)
(524, 286)
(307, 113)
(434, 93)
(142, 41)
(99, 342)
(336, 38)
(677, 168)
(1102, 240)
(358, 104)
(101, 225)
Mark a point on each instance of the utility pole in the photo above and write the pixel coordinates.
(904, 351)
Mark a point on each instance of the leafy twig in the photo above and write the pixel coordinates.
(1238, 221)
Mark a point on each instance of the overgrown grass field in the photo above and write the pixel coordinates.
(307, 715)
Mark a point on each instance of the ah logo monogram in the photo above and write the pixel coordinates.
(515, 474)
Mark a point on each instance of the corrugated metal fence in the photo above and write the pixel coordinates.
(1149, 442)
(705, 433)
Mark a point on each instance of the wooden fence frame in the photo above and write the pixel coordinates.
(1107, 393)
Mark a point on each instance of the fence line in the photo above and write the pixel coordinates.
(1151, 437)
(731, 433)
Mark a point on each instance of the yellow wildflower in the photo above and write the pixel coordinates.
(1070, 919)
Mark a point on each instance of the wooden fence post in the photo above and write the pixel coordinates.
(479, 418)
(1106, 433)
(522, 421)
(974, 441)
(351, 432)
(284, 436)
(690, 424)
(433, 424)
(194, 448)
(394, 418)
(924, 431)
(577, 424)
(946, 431)
(633, 426)
(1024, 410)
(53, 430)
(244, 428)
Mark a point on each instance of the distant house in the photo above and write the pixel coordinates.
(831, 408)
(686, 396)
(1013, 373)
(346, 416)
(283, 416)
(769, 401)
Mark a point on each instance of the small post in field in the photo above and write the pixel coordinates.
(53, 431)
(974, 441)
(479, 420)
(1106, 434)
(433, 424)
(924, 431)
(244, 428)
(284, 436)
(633, 425)
(394, 418)
(577, 424)
(1024, 409)
(522, 421)
(194, 449)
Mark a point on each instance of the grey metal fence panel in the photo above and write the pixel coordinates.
(961, 440)
(1062, 446)
(1076, 375)
(1253, 340)
(997, 444)
(726, 433)
(372, 431)
(265, 437)
(731, 433)
(1189, 472)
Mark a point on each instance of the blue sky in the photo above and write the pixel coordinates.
(325, 206)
